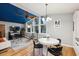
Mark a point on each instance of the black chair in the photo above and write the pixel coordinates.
(37, 46)
(59, 42)
(9, 36)
(57, 50)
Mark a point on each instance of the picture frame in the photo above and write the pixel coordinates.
(57, 23)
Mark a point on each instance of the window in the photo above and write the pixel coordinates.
(36, 21)
(42, 26)
(38, 26)
(32, 29)
(42, 21)
(29, 26)
(28, 29)
(43, 29)
(36, 29)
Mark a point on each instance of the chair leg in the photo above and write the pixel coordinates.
(47, 52)
(61, 53)
(33, 51)
(42, 51)
(39, 51)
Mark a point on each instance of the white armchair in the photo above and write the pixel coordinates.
(5, 44)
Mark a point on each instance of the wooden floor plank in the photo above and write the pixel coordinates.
(68, 51)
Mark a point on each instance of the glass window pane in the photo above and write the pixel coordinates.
(28, 29)
(29, 26)
(36, 21)
(41, 21)
(43, 29)
(36, 29)
(32, 29)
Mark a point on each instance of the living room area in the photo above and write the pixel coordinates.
(13, 31)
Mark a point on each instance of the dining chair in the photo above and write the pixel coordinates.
(57, 50)
(37, 45)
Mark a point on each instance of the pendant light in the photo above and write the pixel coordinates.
(46, 18)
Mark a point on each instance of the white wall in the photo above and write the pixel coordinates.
(65, 31)
(7, 24)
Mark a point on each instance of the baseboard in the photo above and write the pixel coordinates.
(67, 45)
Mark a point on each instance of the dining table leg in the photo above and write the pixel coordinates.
(45, 51)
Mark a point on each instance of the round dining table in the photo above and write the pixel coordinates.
(47, 42)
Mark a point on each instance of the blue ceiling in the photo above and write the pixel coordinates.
(12, 13)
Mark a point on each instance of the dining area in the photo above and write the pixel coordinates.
(47, 46)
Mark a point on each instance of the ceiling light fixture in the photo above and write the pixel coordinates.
(46, 18)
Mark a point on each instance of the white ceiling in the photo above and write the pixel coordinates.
(53, 8)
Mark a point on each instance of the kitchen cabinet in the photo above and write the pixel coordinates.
(76, 24)
(76, 32)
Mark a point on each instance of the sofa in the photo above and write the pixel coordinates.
(5, 44)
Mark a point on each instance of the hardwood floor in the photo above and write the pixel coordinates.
(67, 51)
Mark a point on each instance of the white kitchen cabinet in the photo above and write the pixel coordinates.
(76, 24)
(76, 32)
